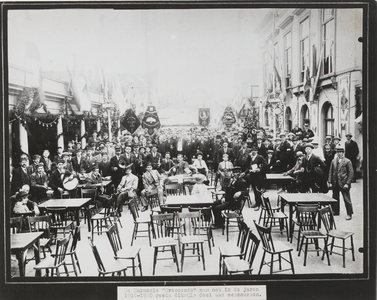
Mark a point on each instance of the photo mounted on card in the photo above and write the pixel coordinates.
(113, 110)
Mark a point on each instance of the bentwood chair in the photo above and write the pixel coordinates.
(162, 225)
(15, 225)
(306, 219)
(139, 220)
(273, 249)
(188, 227)
(328, 221)
(54, 262)
(115, 267)
(234, 250)
(129, 253)
(243, 264)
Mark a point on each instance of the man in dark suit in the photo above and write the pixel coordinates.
(351, 152)
(314, 171)
(21, 176)
(57, 178)
(116, 170)
(45, 159)
(33, 167)
(39, 184)
(129, 158)
(307, 132)
(262, 150)
(242, 157)
(340, 177)
(154, 158)
(76, 161)
(283, 153)
(225, 150)
(237, 190)
(256, 175)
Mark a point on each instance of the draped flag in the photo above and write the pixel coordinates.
(130, 121)
(151, 120)
(307, 83)
(204, 116)
(80, 87)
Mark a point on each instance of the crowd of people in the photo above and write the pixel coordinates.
(139, 164)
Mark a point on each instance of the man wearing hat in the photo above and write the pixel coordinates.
(314, 172)
(93, 140)
(20, 176)
(127, 188)
(297, 172)
(87, 162)
(283, 153)
(33, 167)
(39, 184)
(351, 152)
(234, 193)
(340, 177)
(152, 185)
(225, 150)
(262, 150)
(215, 152)
(307, 132)
(76, 161)
(167, 165)
(200, 165)
(272, 163)
(57, 177)
(116, 170)
(67, 163)
(128, 158)
(242, 157)
(24, 205)
(256, 175)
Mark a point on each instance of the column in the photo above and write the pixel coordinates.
(82, 131)
(98, 125)
(59, 128)
(24, 142)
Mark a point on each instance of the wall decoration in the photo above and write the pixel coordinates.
(204, 116)
(344, 102)
(130, 121)
(151, 120)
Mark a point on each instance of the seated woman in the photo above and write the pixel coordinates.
(199, 187)
(24, 205)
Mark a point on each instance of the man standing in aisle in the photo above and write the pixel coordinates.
(340, 177)
(351, 152)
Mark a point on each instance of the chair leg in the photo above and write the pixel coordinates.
(74, 265)
(204, 265)
(272, 264)
(262, 262)
(182, 256)
(220, 262)
(306, 250)
(175, 257)
(140, 267)
(155, 259)
(344, 252)
(78, 263)
(352, 249)
(291, 260)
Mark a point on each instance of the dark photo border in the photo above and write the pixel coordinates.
(316, 286)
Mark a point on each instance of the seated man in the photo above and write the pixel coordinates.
(182, 166)
(237, 189)
(126, 188)
(152, 185)
(297, 173)
(39, 184)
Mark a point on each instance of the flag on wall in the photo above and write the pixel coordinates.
(307, 84)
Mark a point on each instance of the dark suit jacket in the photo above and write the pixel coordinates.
(351, 150)
(76, 164)
(154, 160)
(129, 159)
(116, 175)
(242, 159)
(341, 173)
(257, 178)
(19, 178)
(228, 151)
(56, 181)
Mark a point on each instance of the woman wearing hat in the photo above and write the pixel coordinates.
(24, 205)
(351, 152)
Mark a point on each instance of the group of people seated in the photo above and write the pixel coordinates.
(140, 164)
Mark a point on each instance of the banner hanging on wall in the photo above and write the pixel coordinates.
(130, 121)
(228, 118)
(204, 116)
(151, 120)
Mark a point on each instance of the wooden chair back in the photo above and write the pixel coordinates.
(170, 209)
(242, 235)
(114, 238)
(307, 217)
(161, 225)
(89, 193)
(133, 209)
(266, 237)
(75, 238)
(15, 224)
(40, 223)
(100, 265)
(61, 250)
(252, 245)
(327, 218)
(206, 215)
(173, 189)
(189, 223)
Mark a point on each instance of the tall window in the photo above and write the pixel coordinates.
(329, 120)
(304, 47)
(288, 59)
(328, 39)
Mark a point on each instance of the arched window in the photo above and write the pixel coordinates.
(304, 116)
(328, 119)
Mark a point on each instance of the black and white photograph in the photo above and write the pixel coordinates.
(188, 149)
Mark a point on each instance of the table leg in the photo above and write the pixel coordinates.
(77, 217)
(37, 257)
(21, 262)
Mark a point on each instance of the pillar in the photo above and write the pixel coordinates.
(98, 125)
(82, 132)
(24, 141)
(59, 128)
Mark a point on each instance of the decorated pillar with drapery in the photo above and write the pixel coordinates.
(59, 128)
(24, 141)
(82, 132)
